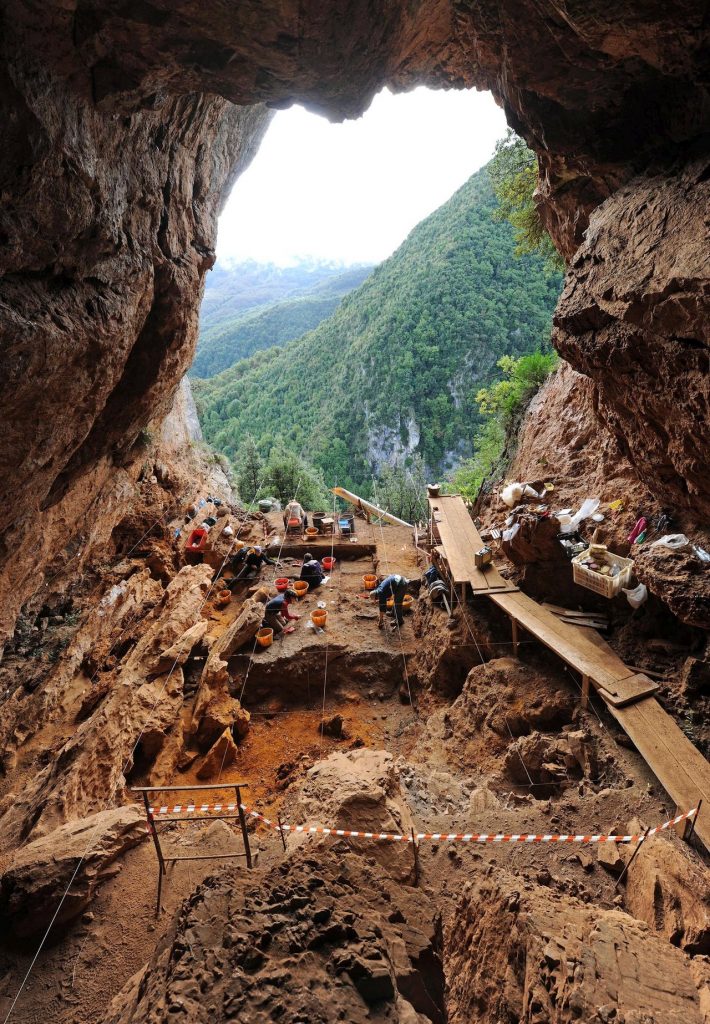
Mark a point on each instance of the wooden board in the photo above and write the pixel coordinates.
(631, 689)
(679, 767)
(460, 541)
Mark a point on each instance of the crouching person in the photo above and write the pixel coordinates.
(394, 586)
(312, 572)
(277, 614)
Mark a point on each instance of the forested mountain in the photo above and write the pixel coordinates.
(396, 368)
(253, 306)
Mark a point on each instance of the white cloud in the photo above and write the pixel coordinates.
(352, 192)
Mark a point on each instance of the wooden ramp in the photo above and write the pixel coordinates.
(459, 539)
(674, 760)
(677, 764)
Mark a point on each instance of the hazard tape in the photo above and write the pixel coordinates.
(464, 837)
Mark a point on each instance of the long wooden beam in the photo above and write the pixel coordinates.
(367, 506)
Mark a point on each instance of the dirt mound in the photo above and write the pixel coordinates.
(318, 940)
(517, 953)
(360, 790)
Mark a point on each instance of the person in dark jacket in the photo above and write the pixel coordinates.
(247, 563)
(277, 613)
(312, 571)
(394, 586)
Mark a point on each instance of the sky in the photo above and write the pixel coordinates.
(352, 192)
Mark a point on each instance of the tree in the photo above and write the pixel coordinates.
(401, 489)
(502, 406)
(289, 476)
(514, 176)
(250, 470)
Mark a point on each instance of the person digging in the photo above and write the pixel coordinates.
(277, 613)
(394, 586)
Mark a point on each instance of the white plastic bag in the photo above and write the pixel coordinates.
(674, 541)
(512, 494)
(586, 509)
(637, 595)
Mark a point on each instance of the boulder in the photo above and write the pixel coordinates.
(668, 888)
(38, 875)
(695, 677)
(679, 579)
(534, 956)
(358, 790)
(221, 754)
(179, 652)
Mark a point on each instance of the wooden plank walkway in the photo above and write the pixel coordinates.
(679, 767)
(461, 540)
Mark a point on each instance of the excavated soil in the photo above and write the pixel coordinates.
(330, 929)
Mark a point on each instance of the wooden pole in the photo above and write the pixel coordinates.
(243, 823)
(415, 850)
(585, 692)
(514, 632)
(631, 859)
(281, 831)
(694, 819)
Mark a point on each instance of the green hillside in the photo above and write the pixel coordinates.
(238, 317)
(396, 368)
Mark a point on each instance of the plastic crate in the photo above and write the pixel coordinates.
(607, 586)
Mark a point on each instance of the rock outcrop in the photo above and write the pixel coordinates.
(358, 790)
(319, 939)
(60, 872)
(668, 889)
(132, 722)
(514, 953)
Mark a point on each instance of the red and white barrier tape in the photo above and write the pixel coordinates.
(464, 837)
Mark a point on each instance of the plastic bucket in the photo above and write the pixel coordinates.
(223, 598)
(264, 505)
(300, 587)
(406, 602)
(370, 581)
(328, 563)
(318, 518)
(294, 523)
(318, 617)
(265, 637)
(282, 583)
(312, 531)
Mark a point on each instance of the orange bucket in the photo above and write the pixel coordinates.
(370, 581)
(265, 637)
(406, 602)
(300, 587)
(312, 531)
(223, 598)
(318, 617)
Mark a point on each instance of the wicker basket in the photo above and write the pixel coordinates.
(607, 586)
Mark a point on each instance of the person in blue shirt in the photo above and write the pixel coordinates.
(277, 614)
(312, 571)
(394, 586)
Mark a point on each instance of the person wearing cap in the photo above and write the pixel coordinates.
(394, 586)
(249, 561)
(277, 614)
(312, 571)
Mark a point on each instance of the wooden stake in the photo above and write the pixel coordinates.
(632, 859)
(693, 820)
(585, 693)
(281, 831)
(415, 850)
(514, 631)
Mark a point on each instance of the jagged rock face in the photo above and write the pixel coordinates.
(319, 939)
(121, 135)
(634, 315)
(514, 954)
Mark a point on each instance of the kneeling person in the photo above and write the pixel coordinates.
(312, 572)
(277, 614)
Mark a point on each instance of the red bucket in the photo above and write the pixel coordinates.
(328, 563)
(282, 583)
